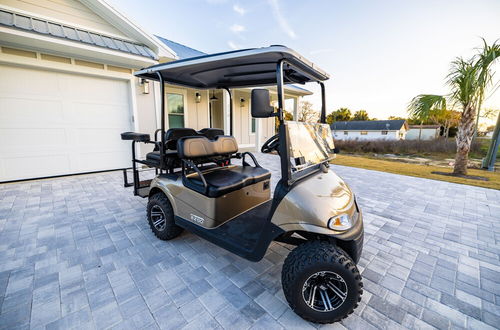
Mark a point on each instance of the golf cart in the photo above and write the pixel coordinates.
(199, 188)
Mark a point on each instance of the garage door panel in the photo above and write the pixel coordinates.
(40, 84)
(71, 126)
(93, 161)
(37, 139)
(19, 111)
(80, 88)
(90, 137)
(110, 115)
(31, 166)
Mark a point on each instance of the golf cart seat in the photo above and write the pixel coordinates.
(221, 180)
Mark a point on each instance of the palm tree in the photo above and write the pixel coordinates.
(469, 81)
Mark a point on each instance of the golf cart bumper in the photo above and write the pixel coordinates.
(351, 241)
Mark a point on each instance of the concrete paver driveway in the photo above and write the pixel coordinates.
(77, 252)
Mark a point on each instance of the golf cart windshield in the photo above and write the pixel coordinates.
(310, 144)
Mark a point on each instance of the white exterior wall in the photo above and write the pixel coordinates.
(427, 134)
(371, 135)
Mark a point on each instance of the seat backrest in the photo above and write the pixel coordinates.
(174, 134)
(201, 147)
(211, 133)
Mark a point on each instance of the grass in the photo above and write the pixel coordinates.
(421, 171)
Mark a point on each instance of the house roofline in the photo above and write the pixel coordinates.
(122, 22)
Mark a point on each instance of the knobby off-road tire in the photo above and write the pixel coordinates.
(321, 261)
(161, 217)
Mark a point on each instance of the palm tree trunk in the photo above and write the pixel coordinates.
(464, 138)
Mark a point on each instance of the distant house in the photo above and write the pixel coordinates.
(425, 132)
(370, 130)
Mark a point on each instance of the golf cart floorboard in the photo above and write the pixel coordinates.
(247, 235)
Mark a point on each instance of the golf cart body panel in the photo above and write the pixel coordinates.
(210, 212)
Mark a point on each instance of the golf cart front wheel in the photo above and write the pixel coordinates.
(321, 282)
(161, 217)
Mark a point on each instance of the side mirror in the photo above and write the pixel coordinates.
(261, 104)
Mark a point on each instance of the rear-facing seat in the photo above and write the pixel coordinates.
(222, 180)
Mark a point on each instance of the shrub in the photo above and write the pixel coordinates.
(402, 147)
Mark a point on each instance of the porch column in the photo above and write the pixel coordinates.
(295, 108)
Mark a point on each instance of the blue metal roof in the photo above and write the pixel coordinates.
(36, 25)
(182, 51)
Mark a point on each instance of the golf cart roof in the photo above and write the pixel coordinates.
(241, 68)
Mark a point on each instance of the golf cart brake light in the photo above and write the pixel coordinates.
(341, 222)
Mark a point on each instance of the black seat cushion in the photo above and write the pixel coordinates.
(174, 134)
(224, 180)
(153, 158)
(211, 133)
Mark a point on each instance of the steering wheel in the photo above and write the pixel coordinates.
(271, 144)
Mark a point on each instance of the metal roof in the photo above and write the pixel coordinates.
(36, 25)
(182, 51)
(368, 125)
(240, 68)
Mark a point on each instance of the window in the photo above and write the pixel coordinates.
(384, 132)
(346, 133)
(175, 107)
(253, 124)
(364, 133)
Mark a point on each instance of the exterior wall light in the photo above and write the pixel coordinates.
(145, 85)
(197, 97)
(242, 102)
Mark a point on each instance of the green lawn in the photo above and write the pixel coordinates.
(421, 171)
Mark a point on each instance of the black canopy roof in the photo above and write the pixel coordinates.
(241, 68)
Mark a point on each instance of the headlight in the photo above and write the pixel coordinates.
(341, 222)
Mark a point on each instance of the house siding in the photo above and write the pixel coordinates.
(70, 12)
(371, 135)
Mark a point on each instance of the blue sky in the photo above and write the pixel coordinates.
(379, 53)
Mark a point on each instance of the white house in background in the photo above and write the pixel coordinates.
(423, 132)
(370, 130)
(67, 90)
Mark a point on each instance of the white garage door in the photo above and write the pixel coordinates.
(56, 123)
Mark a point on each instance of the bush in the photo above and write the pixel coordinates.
(402, 147)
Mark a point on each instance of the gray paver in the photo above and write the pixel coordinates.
(76, 252)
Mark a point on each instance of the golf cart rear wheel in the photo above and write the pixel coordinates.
(321, 282)
(161, 217)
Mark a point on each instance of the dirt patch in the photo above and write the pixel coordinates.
(471, 177)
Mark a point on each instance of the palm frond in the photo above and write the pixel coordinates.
(463, 80)
(421, 105)
(486, 57)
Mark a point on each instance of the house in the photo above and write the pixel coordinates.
(370, 130)
(67, 90)
(423, 132)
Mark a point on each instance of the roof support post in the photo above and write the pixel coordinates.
(283, 146)
(162, 105)
(323, 103)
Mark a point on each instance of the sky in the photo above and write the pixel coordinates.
(379, 54)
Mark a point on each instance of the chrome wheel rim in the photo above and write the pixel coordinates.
(324, 291)
(158, 218)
